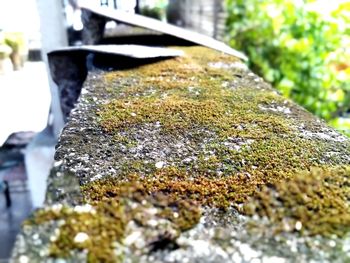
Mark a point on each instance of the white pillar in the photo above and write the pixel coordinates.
(53, 36)
(39, 154)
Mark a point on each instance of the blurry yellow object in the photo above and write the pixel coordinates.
(18, 43)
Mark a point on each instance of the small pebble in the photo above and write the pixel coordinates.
(298, 225)
(159, 165)
(81, 237)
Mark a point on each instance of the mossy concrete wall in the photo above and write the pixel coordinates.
(192, 159)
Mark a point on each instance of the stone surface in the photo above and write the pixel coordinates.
(192, 159)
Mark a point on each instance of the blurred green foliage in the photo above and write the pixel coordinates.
(155, 10)
(303, 52)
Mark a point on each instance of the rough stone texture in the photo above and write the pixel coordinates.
(192, 159)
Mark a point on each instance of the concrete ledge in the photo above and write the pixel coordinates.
(192, 159)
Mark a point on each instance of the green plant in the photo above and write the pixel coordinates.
(153, 12)
(15, 40)
(298, 49)
(155, 9)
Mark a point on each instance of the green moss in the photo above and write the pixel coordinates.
(104, 226)
(177, 185)
(189, 95)
(174, 113)
(186, 94)
(114, 203)
(199, 100)
(315, 202)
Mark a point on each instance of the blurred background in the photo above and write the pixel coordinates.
(301, 47)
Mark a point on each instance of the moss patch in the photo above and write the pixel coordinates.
(184, 93)
(156, 190)
(186, 96)
(315, 202)
(102, 231)
(114, 204)
(178, 185)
